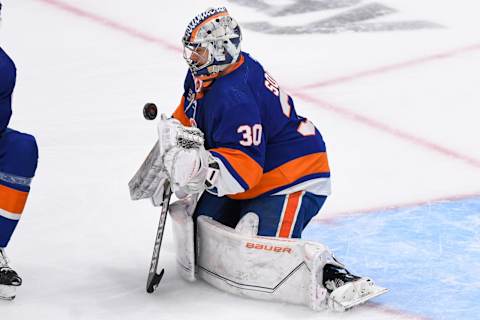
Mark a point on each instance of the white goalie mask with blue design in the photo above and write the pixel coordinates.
(211, 42)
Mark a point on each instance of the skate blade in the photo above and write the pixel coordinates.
(344, 306)
(7, 292)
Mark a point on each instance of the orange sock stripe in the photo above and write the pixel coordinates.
(12, 200)
(290, 214)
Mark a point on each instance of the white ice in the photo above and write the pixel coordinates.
(83, 247)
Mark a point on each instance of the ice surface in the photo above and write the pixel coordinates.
(401, 130)
(428, 255)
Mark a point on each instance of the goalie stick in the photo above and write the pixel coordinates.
(151, 181)
(154, 277)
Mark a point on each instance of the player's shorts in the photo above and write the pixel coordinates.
(18, 163)
(279, 216)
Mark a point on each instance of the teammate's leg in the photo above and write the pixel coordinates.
(18, 162)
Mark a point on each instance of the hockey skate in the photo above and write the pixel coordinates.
(9, 279)
(347, 290)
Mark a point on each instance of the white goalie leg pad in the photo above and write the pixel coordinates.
(181, 212)
(7, 292)
(286, 270)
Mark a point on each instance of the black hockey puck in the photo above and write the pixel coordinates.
(150, 111)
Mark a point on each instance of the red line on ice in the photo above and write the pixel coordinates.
(328, 106)
(113, 25)
(323, 104)
(357, 117)
(391, 67)
(375, 124)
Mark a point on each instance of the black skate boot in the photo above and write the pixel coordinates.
(335, 276)
(347, 290)
(9, 279)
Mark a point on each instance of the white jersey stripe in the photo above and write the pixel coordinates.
(226, 183)
(9, 215)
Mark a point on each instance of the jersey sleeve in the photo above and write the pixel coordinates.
(179, 112)
(238, 144)
(180, 115)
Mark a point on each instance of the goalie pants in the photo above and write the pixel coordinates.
(279, 215)
(18, 162)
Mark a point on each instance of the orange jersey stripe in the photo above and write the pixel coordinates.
(195, 31)
(234, 66)
(289, 216)
(207, 80)
(12, 200)
(287, 173)
(247, 168)
(180, 115)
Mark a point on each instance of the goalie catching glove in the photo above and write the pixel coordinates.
(178, 155)
(190, 170)
(189, 166)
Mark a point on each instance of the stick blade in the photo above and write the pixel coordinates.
(153, 284)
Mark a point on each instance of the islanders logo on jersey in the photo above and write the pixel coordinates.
(199, 19)
(190, 95)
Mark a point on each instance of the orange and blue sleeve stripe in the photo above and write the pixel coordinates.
(245, 170)
(180, 115)
(304, 168)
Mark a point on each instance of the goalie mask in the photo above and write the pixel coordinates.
(211, 42)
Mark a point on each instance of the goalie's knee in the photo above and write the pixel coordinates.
(19, 153)
(248, 224)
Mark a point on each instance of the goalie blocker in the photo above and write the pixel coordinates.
(269, 268)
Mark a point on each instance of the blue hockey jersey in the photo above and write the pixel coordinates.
(7, 83)
(251, 127)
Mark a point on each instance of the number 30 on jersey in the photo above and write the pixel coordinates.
(251, 135)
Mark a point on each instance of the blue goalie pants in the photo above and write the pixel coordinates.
(18, 163)
(279, 215)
